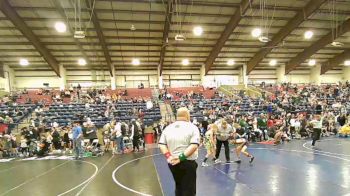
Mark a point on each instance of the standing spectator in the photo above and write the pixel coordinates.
(66, 139)
(179, 143)
(91, 131)
(56, 138)
(205, 124)
(135, 135)
(341, 120)
(262, 125)
(77, 138)
(118, 138)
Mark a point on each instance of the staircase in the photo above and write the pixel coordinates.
(267, 93)
(166, 112)
(252, 92)
(155, 94)
(229, 91)
(170, 112)
(233, 90)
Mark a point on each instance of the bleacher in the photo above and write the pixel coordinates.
(66, 114)
(32, 95)
(145, 93)
(123, 108)
(242, 107)
(25, 109)
(207, 93)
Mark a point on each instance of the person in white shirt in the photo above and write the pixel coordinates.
(118, 138)
(103, 98)
(292, 126)
(179, 143)
(317, 127)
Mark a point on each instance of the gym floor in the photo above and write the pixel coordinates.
(289, 169)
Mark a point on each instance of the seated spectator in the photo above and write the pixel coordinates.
(39, 92)
(8, 120)
(91, 131)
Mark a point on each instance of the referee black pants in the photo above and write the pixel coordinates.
(218, 149)
(185, 175)
(316, 136)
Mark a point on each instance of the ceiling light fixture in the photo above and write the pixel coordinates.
(312, 62)
(197, 31)
(337, 44)
(60, 27)
(264, 39)
(180, 37)
(135, 61)
(308, 34)
(273, 62)
(23, 62)
(230, 62)
(79, 34)
(347, 63)
(81, 61)
(185, 62)
(256, 32)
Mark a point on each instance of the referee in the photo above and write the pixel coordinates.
(317, 129)
(179, 143)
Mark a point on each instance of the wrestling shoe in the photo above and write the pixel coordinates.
(205, 164)
(217, 161)
(238, 161)
(251, 159)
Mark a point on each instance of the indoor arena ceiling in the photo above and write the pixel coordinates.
(117, 31)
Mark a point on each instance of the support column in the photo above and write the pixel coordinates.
(315, 74)
(281, 74)
(346, 73)
(202, 72)
(63, 78)
(113, 84)
(9, 78)
(244, 76)
(160, 79)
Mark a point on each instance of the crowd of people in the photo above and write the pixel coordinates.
(288, 112)
(117, 137)
(44, 135)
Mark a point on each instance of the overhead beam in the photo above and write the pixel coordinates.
(230, 27)
(101, 38)
(12, 15)
(337, 60)
(301, 16)
(319, 44)
(62, 12)
(168, 15)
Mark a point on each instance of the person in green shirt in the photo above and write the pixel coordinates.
(262, 125)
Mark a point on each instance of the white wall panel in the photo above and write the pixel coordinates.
(36, 82)
(130, 78)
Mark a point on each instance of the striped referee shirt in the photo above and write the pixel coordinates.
(178, 136)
